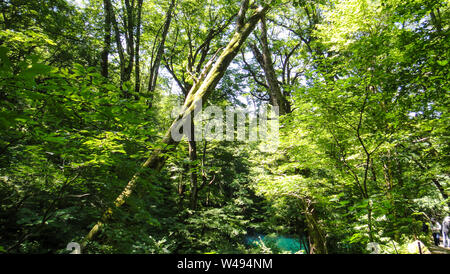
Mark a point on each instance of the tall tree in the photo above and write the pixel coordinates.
(156, 60)
(199, 45)
(131, 12)
(199, 92)
(277, 98)
(107, 38)
(137, 56)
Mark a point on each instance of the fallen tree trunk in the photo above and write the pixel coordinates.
(199, 92)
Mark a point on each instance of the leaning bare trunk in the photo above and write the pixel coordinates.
(317, 239)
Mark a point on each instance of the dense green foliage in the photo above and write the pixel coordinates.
(363, 151)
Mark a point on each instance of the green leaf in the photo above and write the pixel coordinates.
(442, 62)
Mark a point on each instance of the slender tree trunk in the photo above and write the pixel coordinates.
(107, 39)
(118, 41)
(192, 158)
(181, 191)
(276, 96)
(154, 66)
(193, 165)
(137, 68)
(129, 36)
(439, 187)
(199, 92)
(370, 220)
(441, 190)
(126, 60)
(436, 20)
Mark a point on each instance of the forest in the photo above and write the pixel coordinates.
(223, 126)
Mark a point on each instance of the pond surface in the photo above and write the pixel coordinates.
(283, 243)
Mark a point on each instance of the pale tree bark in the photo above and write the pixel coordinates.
(154, 66)
(199, 92)
(317, 238)
(194, 68)
(316, 235)
(264, 58)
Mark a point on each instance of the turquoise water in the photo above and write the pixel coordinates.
(283, 243)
